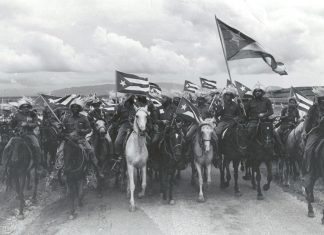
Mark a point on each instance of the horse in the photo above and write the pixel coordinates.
(234, 148)
(101, 148)
(316, 169)
(74, 169)
(292, 160)
(18, 165)
(171, 153)
(136, 153)
(261, 150)
(203, 152)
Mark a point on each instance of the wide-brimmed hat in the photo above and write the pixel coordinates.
(25, 101)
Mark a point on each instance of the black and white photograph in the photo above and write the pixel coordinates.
(161, 117)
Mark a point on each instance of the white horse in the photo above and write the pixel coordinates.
(137, 153)
(203, 152)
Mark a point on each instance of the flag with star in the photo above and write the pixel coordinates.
(209, 84)
(130, 83)
(155, 90)
(241, 89)
(240, 46)
(303, 102)
(191, 87)
(188, 111)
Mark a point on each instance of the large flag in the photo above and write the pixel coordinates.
(240, 46)
(241, 89)
(130, 83)
(156, 101)
(210, 84)
(303, 103)
(191, 87)
(188, 110)
(155, 89)
(66, 100)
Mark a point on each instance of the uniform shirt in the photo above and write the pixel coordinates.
(30, 118)
(125, 112)
(77, 123)
(289, 114)
(256, 106)
(230, 111)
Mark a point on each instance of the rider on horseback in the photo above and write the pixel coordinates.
(24, 122)
(258, 108)
(314, 116)
(98, 114)
(76, 127)
(289, 119)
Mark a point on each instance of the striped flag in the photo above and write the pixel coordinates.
(210, 84)
(155, 89)
(242, 89)
(191, 87)
(188, 110)
(303, 103)
(157, 102)
(130, 83)
(66, 100)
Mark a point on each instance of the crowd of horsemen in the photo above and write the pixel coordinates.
(227, 111)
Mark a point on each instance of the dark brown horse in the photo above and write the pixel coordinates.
(260, 151)
(18, 164)
(316, 169)
(233, 146)
(171, 153)
(74, 169)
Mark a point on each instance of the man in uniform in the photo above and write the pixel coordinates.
(76, 127)
(258, 108)
(289, 119)
(98, 114)
(24, 122)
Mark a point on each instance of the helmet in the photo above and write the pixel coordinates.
(230, 90)
(292, 98)
(95, 102)
(24, 101)
(258, 87)
(77, 102)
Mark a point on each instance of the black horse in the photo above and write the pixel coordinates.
(171, 159)
(261, 150)
(233, 146)
(75, 160)
(316, 169)
(18, 159)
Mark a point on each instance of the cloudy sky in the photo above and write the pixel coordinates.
(45, 45)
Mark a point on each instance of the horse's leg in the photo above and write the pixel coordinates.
(242, 168)
(248, 173)
(80, 192)
(142, 193)
(34, 199)
(266, 187)
(201, 182)
(222, 174)
(258, 179)
(253, 171)
(309, 189)
(228, 172)
(72, 188)
(29, 187)
(178, 174)
(131, 182)
(323, 216)
(236, 187)
(204, 169)
(19, 190)
(192, 173)
(171, 182)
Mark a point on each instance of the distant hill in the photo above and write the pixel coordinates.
(104, 89)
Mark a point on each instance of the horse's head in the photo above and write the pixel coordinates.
(140, 119)
(175, 138)
(206, 130)
(100, 127)
(265, 134)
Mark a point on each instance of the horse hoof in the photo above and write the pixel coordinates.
(266, 187)
(132, 208)
(141, 195)
(238, 194)
(172, 202)
(72, 216)
(20, 217)
(260, 197)
(201, 199)
(311, 214)
(246, 177)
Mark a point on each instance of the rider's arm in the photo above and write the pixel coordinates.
(269, 109)
(86, 128)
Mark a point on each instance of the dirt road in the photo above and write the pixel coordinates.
(222, 213)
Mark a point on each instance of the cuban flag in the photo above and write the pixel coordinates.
(304, 103)
(191, 87)
(155, 89)
(188, 111)
(209, 84)
(130, 83)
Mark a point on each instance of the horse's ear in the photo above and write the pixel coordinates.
(136, 107)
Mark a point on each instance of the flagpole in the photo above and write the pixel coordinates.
(224, 53)
(50, 109)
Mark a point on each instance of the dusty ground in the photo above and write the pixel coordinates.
(223, 213)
